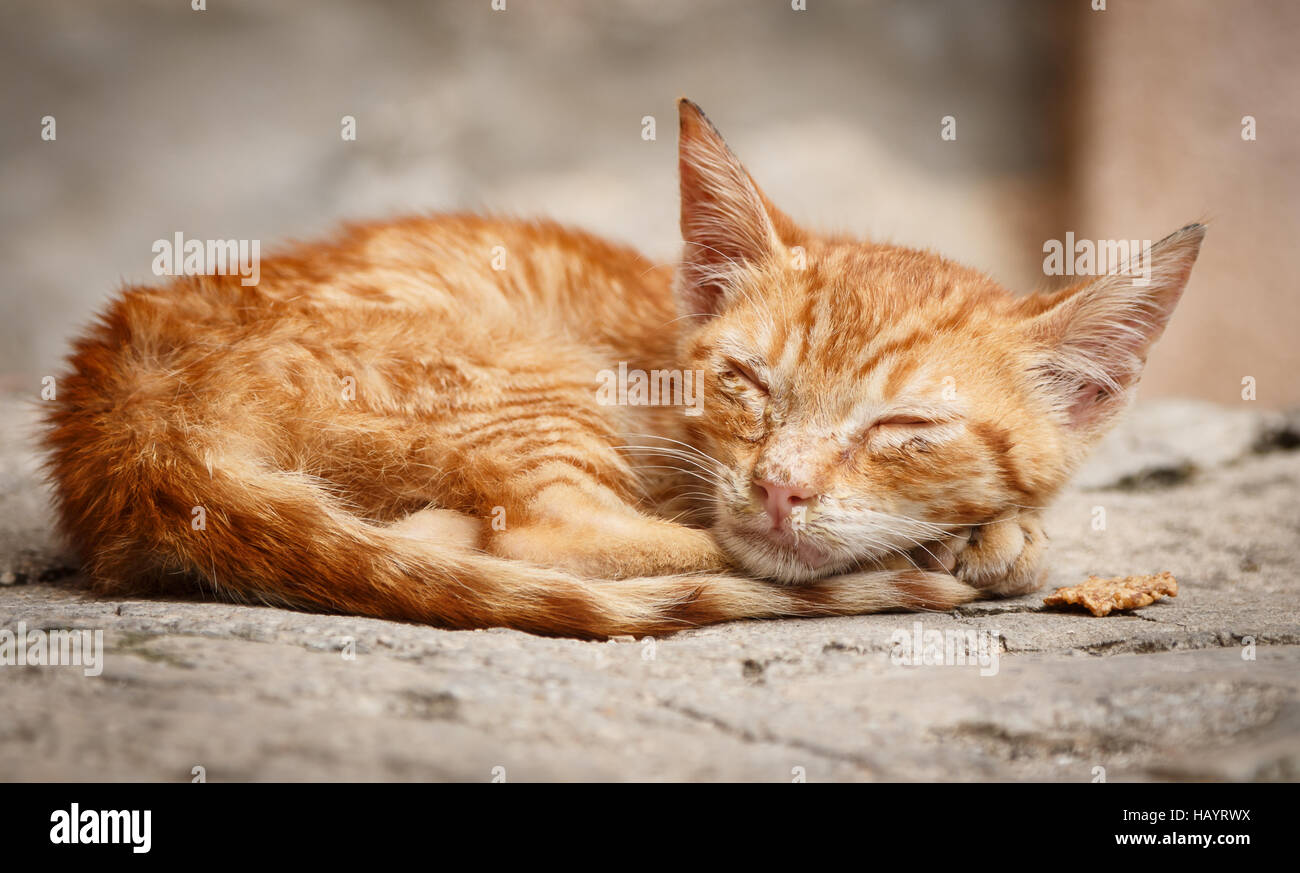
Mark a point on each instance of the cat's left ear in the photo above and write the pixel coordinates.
(1094, 338)
(727, 223)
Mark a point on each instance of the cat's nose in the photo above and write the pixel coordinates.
(781, 501)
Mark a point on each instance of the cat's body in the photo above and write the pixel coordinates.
(406, 423)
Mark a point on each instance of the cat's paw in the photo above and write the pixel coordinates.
(1004, 558)
(935, 556)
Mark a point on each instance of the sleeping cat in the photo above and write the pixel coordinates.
(405, 422)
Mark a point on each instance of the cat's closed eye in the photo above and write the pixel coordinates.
(899, 431)
(903, 421)
(741, 375)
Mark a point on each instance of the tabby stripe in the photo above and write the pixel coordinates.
(999, 443)
(806, 318)
(903, 368)
(556, 409)
(581, 463)
(889, 348)
(573, 437)
(571, 421)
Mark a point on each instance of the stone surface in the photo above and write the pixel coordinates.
(1202, 686)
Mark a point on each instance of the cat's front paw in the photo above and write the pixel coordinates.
(1004, 558)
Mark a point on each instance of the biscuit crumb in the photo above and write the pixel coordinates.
(1101, 596)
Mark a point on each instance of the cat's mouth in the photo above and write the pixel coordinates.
(810, 553)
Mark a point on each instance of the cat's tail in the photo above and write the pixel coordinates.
(143, 516)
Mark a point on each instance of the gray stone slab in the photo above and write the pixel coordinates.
(1202, 686)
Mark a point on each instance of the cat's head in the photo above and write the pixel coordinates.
(860, 397)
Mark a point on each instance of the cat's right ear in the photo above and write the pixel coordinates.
(727, 223)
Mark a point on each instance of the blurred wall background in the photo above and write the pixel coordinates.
(225, 123)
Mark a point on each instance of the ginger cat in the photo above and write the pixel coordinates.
(388, 426)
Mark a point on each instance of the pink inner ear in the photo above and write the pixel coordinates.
(1091, 402)
(1102, 330)
(726, 222)
(700, 297)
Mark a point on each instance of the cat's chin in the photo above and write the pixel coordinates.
(787, 560)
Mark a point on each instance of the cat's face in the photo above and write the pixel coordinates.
(861, 405)
(861, 400)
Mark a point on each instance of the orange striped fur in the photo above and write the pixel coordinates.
(386, 425)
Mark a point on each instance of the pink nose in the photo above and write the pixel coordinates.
(780, 500)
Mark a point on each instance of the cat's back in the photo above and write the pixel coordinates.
(398, 297)
(433, 272)
(474, 260)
